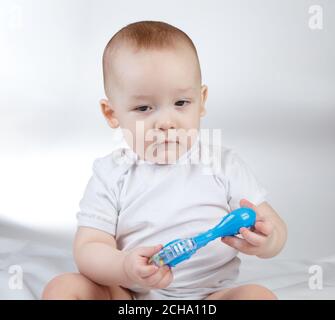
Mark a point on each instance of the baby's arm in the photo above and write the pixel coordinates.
(98, 258)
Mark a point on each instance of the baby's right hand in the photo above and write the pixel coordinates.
(139, 271)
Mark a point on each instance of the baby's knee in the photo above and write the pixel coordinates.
(59, 287)
(255, 291)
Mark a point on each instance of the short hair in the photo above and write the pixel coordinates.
(144, 35)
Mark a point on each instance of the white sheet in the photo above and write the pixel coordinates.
(42, 256)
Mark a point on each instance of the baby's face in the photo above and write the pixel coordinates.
(156, 95)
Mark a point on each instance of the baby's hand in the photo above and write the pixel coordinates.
(255, 241)
(146, 275)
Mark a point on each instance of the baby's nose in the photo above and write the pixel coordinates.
(165, 124)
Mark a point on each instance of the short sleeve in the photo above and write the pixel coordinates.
(241, 182)
(99, 205)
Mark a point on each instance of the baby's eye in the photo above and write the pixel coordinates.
(142, 108)
(181, 103)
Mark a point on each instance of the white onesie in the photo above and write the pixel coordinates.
(144, 204)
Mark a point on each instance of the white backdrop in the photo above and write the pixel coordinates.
(271, 89)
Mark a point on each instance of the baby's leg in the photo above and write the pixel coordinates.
(75, 286)
(245, 292)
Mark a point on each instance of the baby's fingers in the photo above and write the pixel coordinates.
(147, 271)
(165, 281)
(265, 227)
(152, 280)
(252, 237)
(149, 251)
(240, 245)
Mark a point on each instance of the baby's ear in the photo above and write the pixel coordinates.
(108, 113)
(204, 94)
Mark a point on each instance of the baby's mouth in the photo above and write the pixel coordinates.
(171, 141)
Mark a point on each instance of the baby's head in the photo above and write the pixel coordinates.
(152, 81)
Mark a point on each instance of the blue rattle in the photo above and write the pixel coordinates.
(179, 250)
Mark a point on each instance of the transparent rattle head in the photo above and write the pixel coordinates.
(174, 252)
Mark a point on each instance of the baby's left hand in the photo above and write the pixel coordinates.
(257, 240)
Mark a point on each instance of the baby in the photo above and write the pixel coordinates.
(150, 192)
